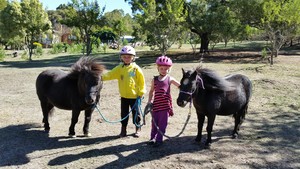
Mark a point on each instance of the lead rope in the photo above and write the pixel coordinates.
(182, 130)
(137, 106)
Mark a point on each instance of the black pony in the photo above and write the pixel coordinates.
(214, 95)
(77, 90)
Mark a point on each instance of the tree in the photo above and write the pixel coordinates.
(10, 18)
(35, 22)
(85, 16)
(281, 18)
(162, 21)
(120, 23)
(26, 20)
(213, 20)
(3, 4)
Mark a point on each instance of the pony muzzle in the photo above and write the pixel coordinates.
(89, 100)
(181, 103)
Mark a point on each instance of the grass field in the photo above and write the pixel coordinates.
(269, 137)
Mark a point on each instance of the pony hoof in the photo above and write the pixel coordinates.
(207, 146)
(197, 139)
(87, 135)
(72, 135)
(234, 136)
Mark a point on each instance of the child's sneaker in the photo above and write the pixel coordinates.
(137, 132)
(151, 142)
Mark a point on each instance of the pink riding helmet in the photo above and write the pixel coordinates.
(164, 61)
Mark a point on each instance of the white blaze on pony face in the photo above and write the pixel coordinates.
(185, 81)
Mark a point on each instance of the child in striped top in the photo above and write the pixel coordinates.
(161, 100)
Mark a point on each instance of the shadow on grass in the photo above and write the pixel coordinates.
(277, 134)
(21, 140)
(145, 59)
(283, 137)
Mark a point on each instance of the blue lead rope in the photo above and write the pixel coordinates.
(136, 106)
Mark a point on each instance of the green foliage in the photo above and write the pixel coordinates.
(75, 48)
(11, 17)
(280, 21)
(3, 4)
(39, 51)
(24, 55)
(162, 21)
(35, 22)
(83, 15)
(2, 53)
(120, 23)
(24, 20)
(264, 53)
(104, 47)
(57, 48)
(125, 42)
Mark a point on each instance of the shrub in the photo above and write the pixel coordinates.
(57, 48)
(24, 55)
(264, 53)
(2, 53)
(39, 51)
(75, 48)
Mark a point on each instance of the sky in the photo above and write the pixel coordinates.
(110, 4)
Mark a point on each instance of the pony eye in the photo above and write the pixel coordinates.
(185, 81)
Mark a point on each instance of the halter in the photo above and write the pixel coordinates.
(198, 80)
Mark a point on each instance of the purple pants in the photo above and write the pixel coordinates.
(161, 120)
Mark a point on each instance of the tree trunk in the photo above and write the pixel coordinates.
(204, 43)
(88, 45)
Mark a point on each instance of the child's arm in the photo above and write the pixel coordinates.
(110, 75)
(151, 92)
(174, 82)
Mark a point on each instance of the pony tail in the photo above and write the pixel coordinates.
(245, 111)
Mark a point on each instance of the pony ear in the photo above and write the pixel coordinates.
(183, 71)
(194, 74)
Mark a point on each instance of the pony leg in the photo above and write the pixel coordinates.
(75, 114)
(209, 128)
(238, 120)
(87, 120)
(47, 110)
(201, 118)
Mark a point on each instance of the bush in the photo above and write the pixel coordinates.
(2, 53)
(57, 48)
(264, 53)
(24, 55)
(75, 48)
(39, 51)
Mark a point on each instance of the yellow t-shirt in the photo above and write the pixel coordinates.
(130, 78)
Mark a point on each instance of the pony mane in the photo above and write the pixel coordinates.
(86, 64)
(213, 81)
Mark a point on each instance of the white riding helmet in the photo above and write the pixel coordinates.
(128, 50)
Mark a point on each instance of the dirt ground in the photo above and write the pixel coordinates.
(269, 137)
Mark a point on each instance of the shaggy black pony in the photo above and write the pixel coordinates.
(77, 90)
(214, 95)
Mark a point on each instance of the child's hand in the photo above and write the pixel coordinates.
(148, 108)
(171, 113)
